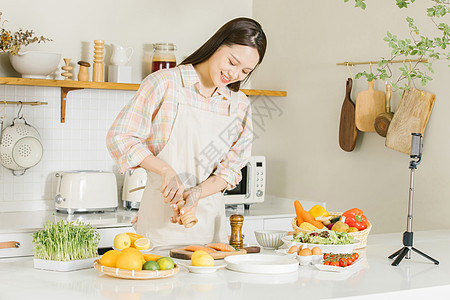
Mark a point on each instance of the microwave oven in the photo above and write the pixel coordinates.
(252, 187)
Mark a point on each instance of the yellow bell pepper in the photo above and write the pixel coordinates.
(318, 211)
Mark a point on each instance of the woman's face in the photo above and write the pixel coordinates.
(232, 63)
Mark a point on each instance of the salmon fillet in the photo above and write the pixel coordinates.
(221, 247)
(194, 248)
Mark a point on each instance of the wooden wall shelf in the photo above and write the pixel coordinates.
(71, 85)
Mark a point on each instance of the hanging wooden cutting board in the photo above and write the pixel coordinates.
(411, 116)
(347, 128)
(183, 254)
(369, 104)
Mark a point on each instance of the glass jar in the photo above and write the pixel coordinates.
(163, 56)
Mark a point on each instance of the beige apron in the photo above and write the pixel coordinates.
(193, 133)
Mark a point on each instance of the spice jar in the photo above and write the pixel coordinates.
(163, 56)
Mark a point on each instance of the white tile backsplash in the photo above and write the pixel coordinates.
(78, 144)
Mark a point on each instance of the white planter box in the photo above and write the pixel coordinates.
(64, 266)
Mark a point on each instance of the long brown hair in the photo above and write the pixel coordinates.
(240, 31)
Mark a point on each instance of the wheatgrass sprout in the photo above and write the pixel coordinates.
(64, 241)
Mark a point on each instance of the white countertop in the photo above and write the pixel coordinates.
(413, 278)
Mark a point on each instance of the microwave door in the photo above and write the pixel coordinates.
(249, 174)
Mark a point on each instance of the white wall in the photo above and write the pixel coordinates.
(306, 40)
(74, 25)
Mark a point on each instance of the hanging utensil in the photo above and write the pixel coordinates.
(369, 104)
(383, 120)
(20, 146)
(347, 127)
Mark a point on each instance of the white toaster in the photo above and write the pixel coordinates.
(86, 191)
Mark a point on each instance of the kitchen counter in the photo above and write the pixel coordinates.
(374, 278)
(26, 221)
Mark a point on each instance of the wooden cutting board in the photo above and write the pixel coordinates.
(183, 254)
(369, 104)
(411, 116)
(347, 128)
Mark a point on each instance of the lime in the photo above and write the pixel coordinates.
(150, 265)
(165, 263)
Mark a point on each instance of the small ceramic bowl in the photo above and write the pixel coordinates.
(305, 260)
(270, 239)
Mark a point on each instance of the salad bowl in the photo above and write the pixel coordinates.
(326, 248)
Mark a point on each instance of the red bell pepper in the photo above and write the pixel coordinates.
(355, 218)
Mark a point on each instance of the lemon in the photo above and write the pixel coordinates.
(142, 244)
(109, 258)
(122, 241)
(165, 263)
(203, 260)
(198, 252)
(150, 265)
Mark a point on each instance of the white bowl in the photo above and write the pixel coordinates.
(35, 64)
(347, 248)
(270, 239)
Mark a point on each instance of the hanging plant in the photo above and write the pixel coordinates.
(12, 42)
(417, 47)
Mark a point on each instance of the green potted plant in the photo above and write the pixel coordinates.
(65, 246)
(418, 47)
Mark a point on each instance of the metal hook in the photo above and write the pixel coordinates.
(347, 64)
(20, 109)
(6, 104)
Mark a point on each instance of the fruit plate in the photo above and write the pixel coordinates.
(347, 248)
(354, 265)
(132, 274)
(261, 263)
(203, 270)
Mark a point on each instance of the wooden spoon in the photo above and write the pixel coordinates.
(383, 120)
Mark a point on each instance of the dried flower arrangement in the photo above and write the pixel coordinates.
(11, 42)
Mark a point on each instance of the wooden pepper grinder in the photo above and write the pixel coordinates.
(236, 238)
(83, 74)
(97, 75)
(188, 218)
(67, 68)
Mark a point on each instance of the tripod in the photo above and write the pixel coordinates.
(416, 152)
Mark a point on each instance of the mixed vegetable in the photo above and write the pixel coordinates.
(324, 237)
(64, 241)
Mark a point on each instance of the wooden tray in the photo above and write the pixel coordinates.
(180, 253)
(132, 274)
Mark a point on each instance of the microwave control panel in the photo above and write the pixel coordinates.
(260, 177)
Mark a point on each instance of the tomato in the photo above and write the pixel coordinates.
(334, 263)
(327, 263)
(349, 261)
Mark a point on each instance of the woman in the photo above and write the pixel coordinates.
(190, 128)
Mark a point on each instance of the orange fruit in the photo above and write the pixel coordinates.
(129, 261)
(152, 257)
(134, 237)
(134, 252)
(109, 258)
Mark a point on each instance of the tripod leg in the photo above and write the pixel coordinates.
(426, 256)
(395, 254)
(399, 258)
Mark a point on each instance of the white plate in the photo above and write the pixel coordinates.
(203, 270)
(323, 267)
(348, 248)
(64, 266)
(261, 263)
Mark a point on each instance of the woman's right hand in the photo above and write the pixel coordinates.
(172, 188)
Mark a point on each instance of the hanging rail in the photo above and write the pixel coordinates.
(24, 102)
(350, 63)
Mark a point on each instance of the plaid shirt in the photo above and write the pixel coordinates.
(143, 126)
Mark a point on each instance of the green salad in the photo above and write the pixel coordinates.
(324, 237)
